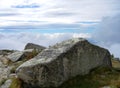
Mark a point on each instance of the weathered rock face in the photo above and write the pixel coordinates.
(34, 46)
(65, 60)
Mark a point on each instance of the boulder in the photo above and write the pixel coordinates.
(34, 46)
(15, 56)
(19, 55)
(61, 62)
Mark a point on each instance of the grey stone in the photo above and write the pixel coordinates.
(34, 46)
(15, 56)
(6, 52)
(6, 84)
(13, 75)
(28, 50)
(19, 55)
(4, 60)
(4, 71)
(107, 87)
(58, 63)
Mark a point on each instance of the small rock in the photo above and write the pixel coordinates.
(12, 76)
(106, 87)
(6, 84)
(4, 60)
(15, 56)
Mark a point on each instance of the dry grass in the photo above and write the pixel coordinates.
(16, 83)
(96, 79)
(31, 54)
(115, 63)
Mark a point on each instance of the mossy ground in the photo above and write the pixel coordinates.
(96, 79)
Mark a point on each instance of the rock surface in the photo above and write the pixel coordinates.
(6, 52)
(65, 60)
(34, 46)
(15, 56)
(4, 71)
(4, 60)
(19, 55)
(6, 84)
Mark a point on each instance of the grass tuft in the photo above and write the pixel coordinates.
(16, 83)
(32, 54)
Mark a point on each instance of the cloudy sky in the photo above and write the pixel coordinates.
(46, 22)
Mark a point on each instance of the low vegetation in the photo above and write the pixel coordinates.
(16, 83)
(96, 79)
(31, 54)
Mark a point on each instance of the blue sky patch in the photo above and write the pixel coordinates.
(27, 6)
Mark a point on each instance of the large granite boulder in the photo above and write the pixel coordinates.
(60, 62)
(34, 46)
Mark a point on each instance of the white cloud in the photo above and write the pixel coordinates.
(115, 49)
(108, 34)
(57, 11)
(109, 30)
(65, 13)
(19, 40)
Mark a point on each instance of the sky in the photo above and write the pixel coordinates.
(47, 22)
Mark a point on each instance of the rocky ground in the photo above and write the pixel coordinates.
(97, 78)
(10, 60)
(101, 78)
(4, 75)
